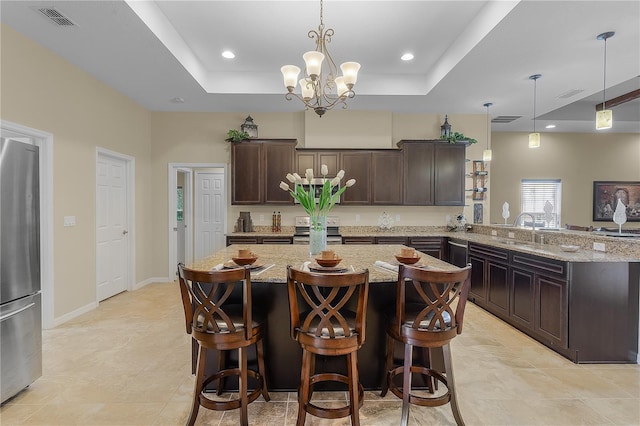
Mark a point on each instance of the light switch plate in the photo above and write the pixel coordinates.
(397, 218)
(599, 246)
(69, 221)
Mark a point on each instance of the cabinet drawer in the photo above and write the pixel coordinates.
(358, 240)
(242, 240)
(391, 240)
(489, 252)
(541, 265)
(277, 240)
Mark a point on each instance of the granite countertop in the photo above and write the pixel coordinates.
(358, 256)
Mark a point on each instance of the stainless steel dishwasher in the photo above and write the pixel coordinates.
(457, 252)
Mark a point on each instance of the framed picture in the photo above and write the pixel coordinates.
(605, 199)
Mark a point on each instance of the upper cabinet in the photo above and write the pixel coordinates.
(433, 172)
(386, 177)
(314, 159)
(257, 167)
(356, 165)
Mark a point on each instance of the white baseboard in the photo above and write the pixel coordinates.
(152, 280)
(73, 314)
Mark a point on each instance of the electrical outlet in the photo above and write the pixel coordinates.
(261, 218)
(357, 218)
(69, 221)
(494, 233)
(397, 218)
(599, 246)
(512, 235)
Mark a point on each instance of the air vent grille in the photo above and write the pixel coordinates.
(56, 17)
(570, 93)
(505, 118)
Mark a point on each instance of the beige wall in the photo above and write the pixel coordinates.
(577, 159)
(42, 91)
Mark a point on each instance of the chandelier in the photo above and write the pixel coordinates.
(321, 91)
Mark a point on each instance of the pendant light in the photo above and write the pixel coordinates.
(604, 117)
(534, 138)
(486, 154)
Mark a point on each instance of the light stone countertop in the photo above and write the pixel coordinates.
(358, 256)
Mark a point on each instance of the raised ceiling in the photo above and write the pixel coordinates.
(467, 53)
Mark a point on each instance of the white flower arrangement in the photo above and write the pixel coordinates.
(307, 199)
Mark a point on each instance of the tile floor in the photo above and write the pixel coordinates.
(128, 363)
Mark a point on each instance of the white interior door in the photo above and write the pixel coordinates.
(209, 211)
(111, 226)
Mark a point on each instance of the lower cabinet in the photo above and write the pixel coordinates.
(358, 240)
(522, 298)
(489, 278)
(433, 246)
(255, 239)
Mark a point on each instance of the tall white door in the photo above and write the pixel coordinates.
(111, 227)
(209, 213)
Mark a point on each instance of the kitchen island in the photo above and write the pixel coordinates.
(283, 355)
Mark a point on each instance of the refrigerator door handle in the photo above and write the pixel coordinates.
(16, 312)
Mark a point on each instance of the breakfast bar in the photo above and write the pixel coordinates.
(282, 354)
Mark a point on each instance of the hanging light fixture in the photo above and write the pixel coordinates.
(534, 138)
(317, 94)
(486, 154)
(604, 117)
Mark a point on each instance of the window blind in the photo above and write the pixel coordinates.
(536, 194)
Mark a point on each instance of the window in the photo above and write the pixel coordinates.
(180, 201)
(542, 198)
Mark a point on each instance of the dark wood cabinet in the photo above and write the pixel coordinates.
(449, 168)
(314, 159)
(418, 173)
(357, 165)
(391, 240)
(551, 311)
(489, 278)
(257, 167)
(254, 239)
(386, 177)
(433, 246)
(358, 240)
(433, 172)
(498, 287)
(522, 294)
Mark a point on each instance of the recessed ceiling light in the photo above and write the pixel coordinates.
(177, 100)
(550, 126)
(228, 54)
(407, 57)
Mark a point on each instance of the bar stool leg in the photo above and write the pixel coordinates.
(303, 391)
(197, 389)
(222, 357)
(387, 366)
(448, 366)
(261, 370)
(354, 403)
(406, 383)
(242, 388)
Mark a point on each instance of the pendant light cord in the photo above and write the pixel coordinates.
(535, 87)
(604, 78)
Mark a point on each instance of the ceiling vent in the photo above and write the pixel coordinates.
(56, 17)
(570, 93)
(502, 119)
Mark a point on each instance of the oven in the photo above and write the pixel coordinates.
(303, 223)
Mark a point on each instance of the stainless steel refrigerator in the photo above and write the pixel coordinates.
(20, 298)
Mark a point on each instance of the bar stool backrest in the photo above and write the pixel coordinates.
(207, 305)
(437, 302)
(317, 303)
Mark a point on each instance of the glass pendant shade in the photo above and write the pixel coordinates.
(313, 61)
(307, 88)
(486, 155)
(604, 119)
(290, 74)
(350, 72)
(341, 87)
(534, 140)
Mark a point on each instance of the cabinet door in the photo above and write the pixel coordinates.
(386, 178)
(356, 166)
(497, 288)
(278, 161)
(428, 245)
(521, 291)
(418, 174)
(331, 160)
(477, 289)
(449, 168)
(551, 311)
(305, 160)
(246, 171)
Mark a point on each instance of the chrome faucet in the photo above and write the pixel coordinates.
(533, 224)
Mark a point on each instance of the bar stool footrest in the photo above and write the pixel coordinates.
(330, 413)
(234, 403)
(430, 375)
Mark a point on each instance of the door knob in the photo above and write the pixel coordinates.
(125, 232)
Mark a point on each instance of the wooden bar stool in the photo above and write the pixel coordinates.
(322, 325)
(218, 324)
(427, 319)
